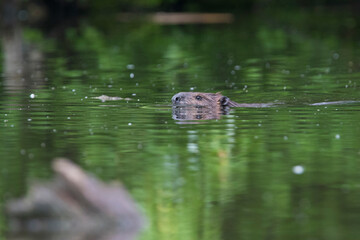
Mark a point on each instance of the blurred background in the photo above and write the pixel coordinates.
(50, 12)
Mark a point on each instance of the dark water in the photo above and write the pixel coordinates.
(284, 172)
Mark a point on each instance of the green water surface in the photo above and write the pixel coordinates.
(286, 172)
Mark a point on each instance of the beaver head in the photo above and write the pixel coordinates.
(200, 99)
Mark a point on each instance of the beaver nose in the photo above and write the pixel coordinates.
(176, 98)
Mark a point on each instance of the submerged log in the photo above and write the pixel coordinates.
(192, 18)
(178, 18)
(75, 204)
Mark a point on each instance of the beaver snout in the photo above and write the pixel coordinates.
(177, 98)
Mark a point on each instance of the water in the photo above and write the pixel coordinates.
(284, 172)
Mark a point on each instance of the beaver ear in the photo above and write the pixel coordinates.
(224, 100)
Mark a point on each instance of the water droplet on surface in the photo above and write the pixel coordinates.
(298, 169)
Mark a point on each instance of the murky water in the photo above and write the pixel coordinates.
(285, 172)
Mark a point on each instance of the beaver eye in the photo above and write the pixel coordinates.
(198, 97)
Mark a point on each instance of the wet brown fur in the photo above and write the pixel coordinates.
(202, 99)
(211, 100)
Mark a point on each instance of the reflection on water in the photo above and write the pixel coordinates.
(198, 112)
(22, 61)
(231, 178)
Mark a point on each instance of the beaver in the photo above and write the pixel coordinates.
(211, 100)
(205, 106)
